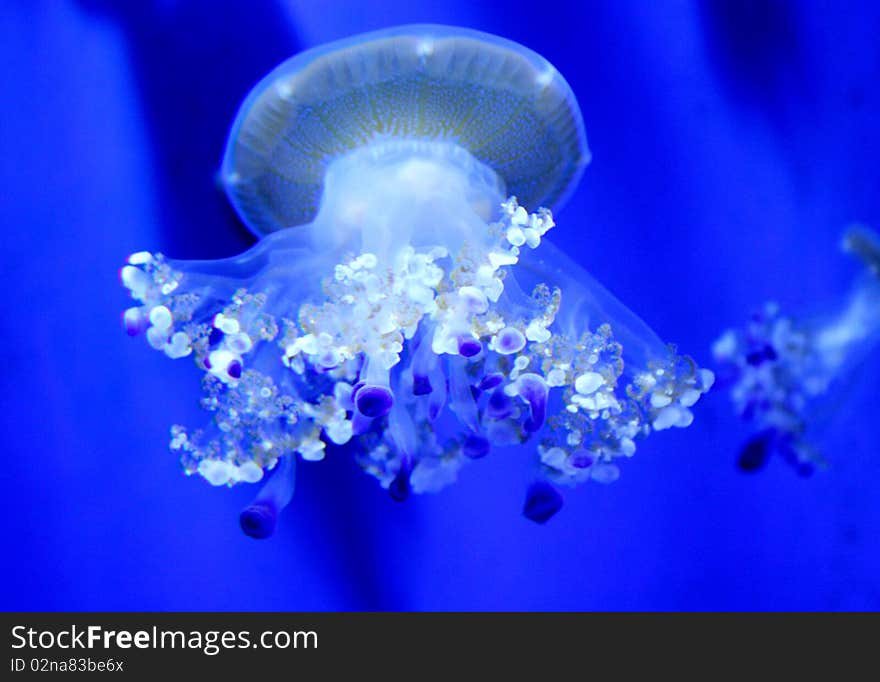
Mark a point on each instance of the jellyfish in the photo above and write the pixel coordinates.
(784, 372)
(402, 299)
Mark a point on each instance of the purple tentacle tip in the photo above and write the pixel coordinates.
(258, 520)
(421, 385)
(542, 502)
(500, 405)
(400, 488)
(374, 401)
(215, 337)
(134, 322)
(469, 346)
(490, 381)
(755, 452)
(476, 446)
(234, 369)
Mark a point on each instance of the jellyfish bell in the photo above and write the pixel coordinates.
(402, 298)
(490, 99)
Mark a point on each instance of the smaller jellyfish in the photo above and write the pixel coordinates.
(782, 371)
(403, 300)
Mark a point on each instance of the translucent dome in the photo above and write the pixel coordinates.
(503, 103)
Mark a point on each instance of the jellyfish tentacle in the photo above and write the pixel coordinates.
(408, 324)
(259, 519)
(422, 365)
(783, 371)
(863, 242)
(439, 393)
(462, 400)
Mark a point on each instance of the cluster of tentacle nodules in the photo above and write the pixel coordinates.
(422, 363)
